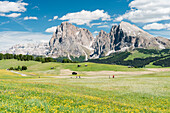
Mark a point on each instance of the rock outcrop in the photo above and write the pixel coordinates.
(126, 37)
(69, 40)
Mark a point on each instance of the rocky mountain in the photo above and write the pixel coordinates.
(38, 49)
(126, 37)
(71, 41)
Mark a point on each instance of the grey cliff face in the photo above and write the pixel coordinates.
(126, 37)
(102, 44)
(69, 40)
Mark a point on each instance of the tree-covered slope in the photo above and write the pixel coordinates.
(138, 58)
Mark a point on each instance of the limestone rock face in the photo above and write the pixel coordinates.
(126, 37)
(102, 45)
(69, 40)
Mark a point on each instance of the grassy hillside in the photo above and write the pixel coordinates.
(38, 68)
(144, 93)
(137, 54)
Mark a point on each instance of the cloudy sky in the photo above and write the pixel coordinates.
(27, 21)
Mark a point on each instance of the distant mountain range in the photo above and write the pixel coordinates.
(71, 41)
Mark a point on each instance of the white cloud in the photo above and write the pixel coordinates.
(6, 6)
(50, 20)
(103, 26)
(94, 24)
(96, 32)
(30, 18)
(36, 7)
(85, 17)
(11, 7)
(10, 38)
(157, 26)
(51, 30)
(162, 33)
(2, 23)
(55, 17)
(145, 11)
(13, 15)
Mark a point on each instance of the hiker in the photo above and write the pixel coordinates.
(79, 77)
(113, 76)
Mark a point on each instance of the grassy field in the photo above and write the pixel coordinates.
(44, 69)
(127, 93)
(147, 93)
(136, 54)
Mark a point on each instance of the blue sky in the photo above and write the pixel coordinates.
(23, 21)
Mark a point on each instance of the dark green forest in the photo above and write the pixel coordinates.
(119, 58)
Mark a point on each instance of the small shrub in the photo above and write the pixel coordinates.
(11, 68)
(24, 67)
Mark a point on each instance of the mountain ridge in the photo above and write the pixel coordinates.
(69, 40)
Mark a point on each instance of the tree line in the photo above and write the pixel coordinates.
(21, 57)
(153, 51)
(18, 68)
(164, 62)
(42, 59)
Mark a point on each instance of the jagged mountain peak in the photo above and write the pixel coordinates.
(65, 23)
(126, 36)
(69, 40)
(102, 33)
(133, 30)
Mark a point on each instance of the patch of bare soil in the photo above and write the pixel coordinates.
(65, 72)
(116, 73)
(158, 69)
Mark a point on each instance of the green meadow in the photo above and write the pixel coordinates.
(41, 69)
(137, 54)
(125, 93)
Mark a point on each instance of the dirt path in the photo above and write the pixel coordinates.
(158, 69)
(82, 77)
(67, 72)
(116, 73)
(19, 73)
